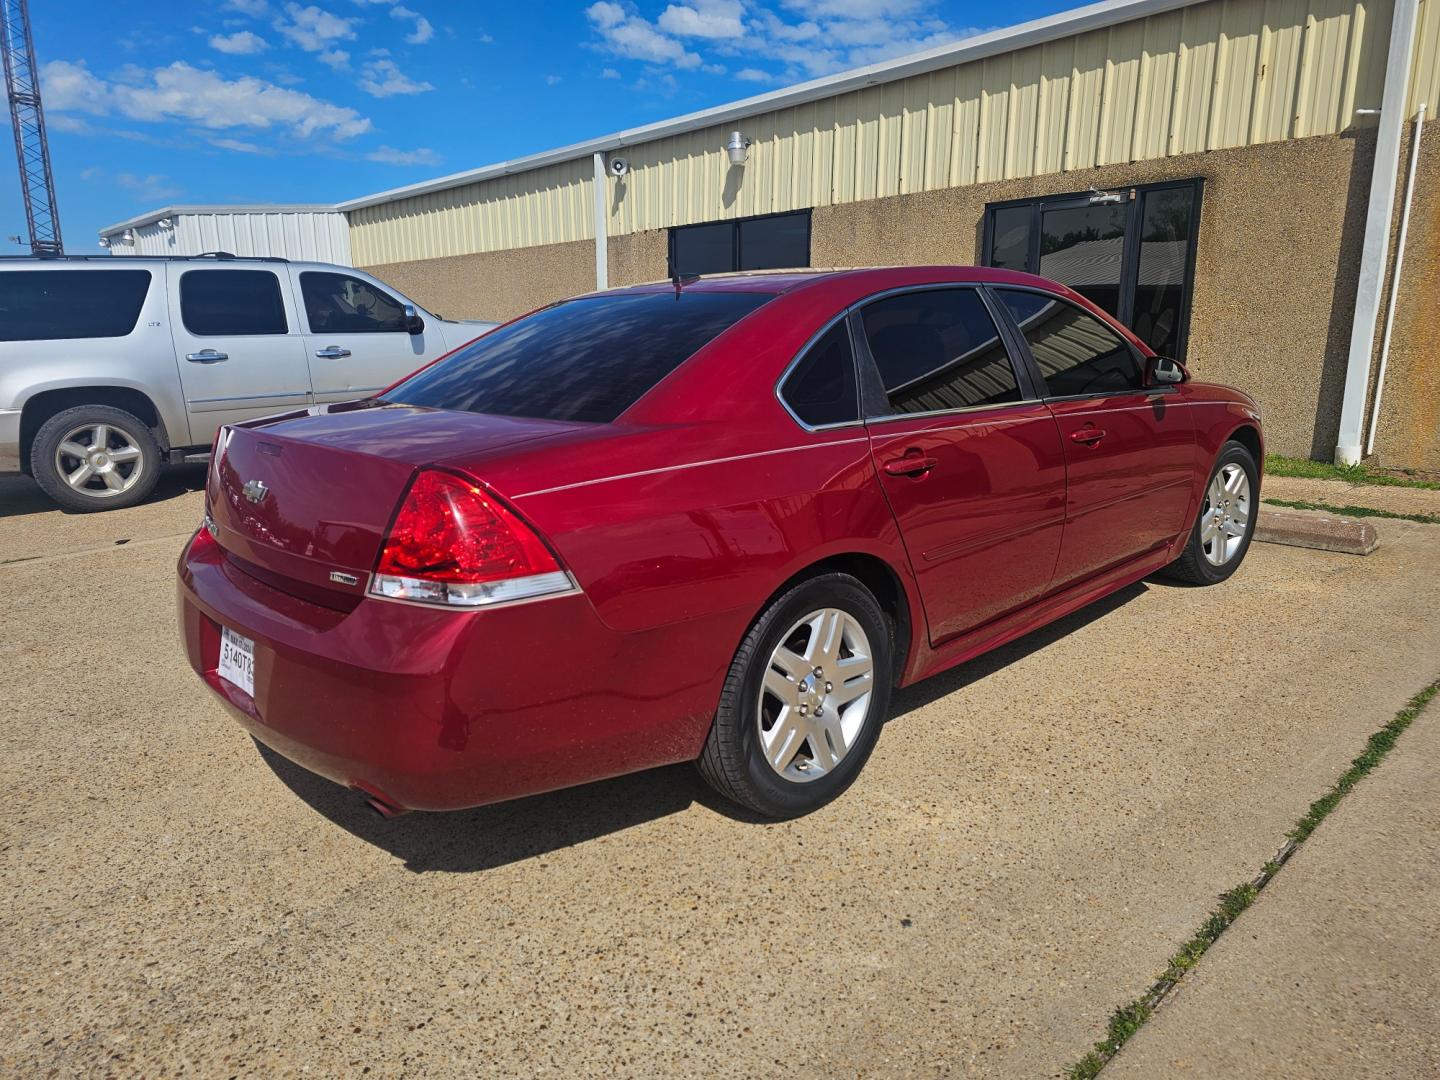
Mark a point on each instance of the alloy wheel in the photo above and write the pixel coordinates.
(815, 697)
(1226, 517)
(99, 461)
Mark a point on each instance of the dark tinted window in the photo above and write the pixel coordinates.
(821, 389)
(704, 249)
(1165, 228)
(40, 305)
(774, 242)
(938, 349)
(232, 302)
(588, 359)
(341, 304)
(1010, 237)
(1076, 352)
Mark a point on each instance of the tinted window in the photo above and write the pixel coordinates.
(1165, 228)
(1076, 352)
(341, 304)
(821, 389)
(938, 349)
(1010, 237)
(232, 302)
(704, 249)
(39, 305)
(587, 359)
(774, 242)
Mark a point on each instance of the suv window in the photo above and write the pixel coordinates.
(588, 359)
(1075, 351)
(938, 349)
(341, 304)
(821, 388)
(42, 305)
(236, 303)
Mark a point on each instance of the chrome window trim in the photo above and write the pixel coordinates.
(800, 354)
(953, 412)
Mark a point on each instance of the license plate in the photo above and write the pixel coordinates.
(237, 660)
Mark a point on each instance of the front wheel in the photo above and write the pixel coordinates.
(1226, 522)
(803, 703)
(95, 457)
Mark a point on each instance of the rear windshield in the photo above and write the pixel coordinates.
(588, 359)
(41, 305)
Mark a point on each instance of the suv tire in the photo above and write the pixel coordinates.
(95, 457)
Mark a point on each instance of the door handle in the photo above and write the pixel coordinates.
(332, 352)
(1089, 435)
(912, 464)
(206, 356)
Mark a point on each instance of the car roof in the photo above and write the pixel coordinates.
(776, 282)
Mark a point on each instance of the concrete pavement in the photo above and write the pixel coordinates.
(1033, 836)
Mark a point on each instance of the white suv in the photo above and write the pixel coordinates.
(111, 366)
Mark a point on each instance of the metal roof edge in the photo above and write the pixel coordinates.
(978, 47)
(250, 208)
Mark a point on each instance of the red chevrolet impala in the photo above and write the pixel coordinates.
(714, 520)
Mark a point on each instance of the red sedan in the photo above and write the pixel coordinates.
(715, 520)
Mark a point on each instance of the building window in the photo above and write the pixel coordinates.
(1131, 251)
(772, 242)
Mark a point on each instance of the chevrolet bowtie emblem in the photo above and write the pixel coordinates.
(255, 490)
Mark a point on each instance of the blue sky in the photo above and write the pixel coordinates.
(266, 101)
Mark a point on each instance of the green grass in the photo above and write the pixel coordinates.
(1275, 465)
(1128, 1019)
(1354, 511)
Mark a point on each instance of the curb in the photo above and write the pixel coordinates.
(1318, 531)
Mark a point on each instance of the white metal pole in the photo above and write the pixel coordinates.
(1395, 278)
(1376, 244)
(602, 193)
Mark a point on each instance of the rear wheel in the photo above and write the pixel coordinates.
(803, 703)
(95, 457)
(1226, 522)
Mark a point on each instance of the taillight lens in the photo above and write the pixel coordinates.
(453, 543)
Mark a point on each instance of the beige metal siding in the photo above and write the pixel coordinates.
(1215, 75)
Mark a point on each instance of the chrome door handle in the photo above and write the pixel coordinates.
(332, 352)
(206, 356)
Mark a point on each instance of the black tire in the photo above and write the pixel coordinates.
(734, 761)
(125, 428)
(1193, 567)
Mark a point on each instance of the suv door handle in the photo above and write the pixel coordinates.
(332, 352)
(206, 356)
(912, 464)
(1087, 435)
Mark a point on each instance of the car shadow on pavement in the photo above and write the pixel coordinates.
(21, 496)
(465, 841)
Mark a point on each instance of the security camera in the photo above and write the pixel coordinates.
(619, 166)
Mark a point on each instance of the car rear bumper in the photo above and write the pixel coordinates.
(9, 441)
(431, 709)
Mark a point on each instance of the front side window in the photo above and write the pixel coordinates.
(938, 349)
(821, 388)
(772, 242)
(341, 304)
(232, 303)
(1076, 352)
(588, 359)
(53, 305)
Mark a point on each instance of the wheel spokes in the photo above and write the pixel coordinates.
(783, 739)
(81, 476)
(100, 438)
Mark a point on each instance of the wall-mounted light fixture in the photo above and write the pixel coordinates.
(737, 147)
(104, 241)
(128, 236)
(165, 223)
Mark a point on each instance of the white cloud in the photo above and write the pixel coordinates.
(241, 43)
(253, 8)
(314, 29)
(239, 146)
(423, 31)
(609, 73)
(383, 78)
(337, 59)
(179, 92)
(630, 36)
(704, 19)
(552, 80)
(751, 74)
(388, 155)
(151, 188)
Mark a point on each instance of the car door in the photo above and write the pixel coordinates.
(240, 348)
(358, 338)
(970, 461)
(1129, 449)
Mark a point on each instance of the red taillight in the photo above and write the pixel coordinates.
(454, 543)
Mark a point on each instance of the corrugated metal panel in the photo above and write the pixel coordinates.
(313, 236)
(1213, 75)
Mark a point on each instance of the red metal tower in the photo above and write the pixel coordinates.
(22, 86)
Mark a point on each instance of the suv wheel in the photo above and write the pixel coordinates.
(95, 457)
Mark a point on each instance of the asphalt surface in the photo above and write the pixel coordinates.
(1033, 836)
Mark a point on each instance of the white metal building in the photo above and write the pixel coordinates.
(314, 233)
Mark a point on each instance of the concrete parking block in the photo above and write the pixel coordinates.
(1321, 531)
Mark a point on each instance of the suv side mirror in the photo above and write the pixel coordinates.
(1163, 371)
(414, 324)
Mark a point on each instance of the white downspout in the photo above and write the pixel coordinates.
(602, 256)
(1395, 277)
(1376, 244)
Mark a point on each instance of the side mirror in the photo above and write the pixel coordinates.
(1163, 371)
(414, 324)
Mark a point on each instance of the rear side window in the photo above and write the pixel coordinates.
(1076, 352)
(232, 303)
(821, 389)
(44, 305)
(341, 304)
(938, 349)
(587, 359)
